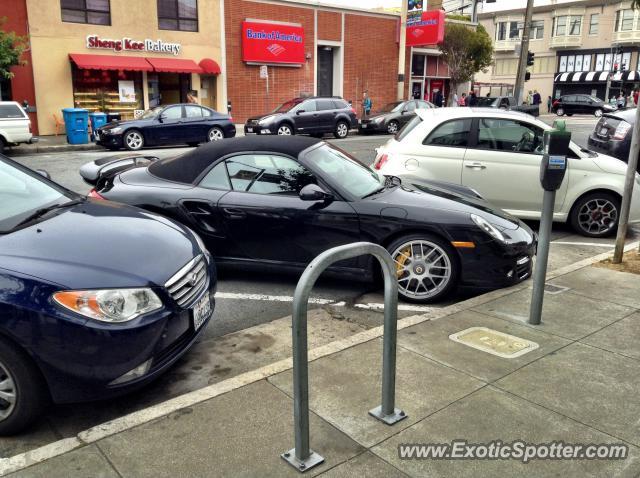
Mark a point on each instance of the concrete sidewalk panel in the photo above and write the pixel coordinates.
(594, 282)
(591, 385)
(366, 465)
(38, 435)
(489, 415)
(241, 433)
(346, 385)
(85, 462)
(431, 339)
(566, 314)
(623, 337)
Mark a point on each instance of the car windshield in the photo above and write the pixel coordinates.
(22, 194)
(389, 107)
(595, 100)
(484, 101)
(344, 171)
(152, 113)
(284, 107)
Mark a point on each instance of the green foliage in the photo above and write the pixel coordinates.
(454, 16)
(11, 48)
(466, 51)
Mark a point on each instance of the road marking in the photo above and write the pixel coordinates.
(591, 244)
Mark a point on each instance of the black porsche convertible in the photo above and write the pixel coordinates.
(281, 201)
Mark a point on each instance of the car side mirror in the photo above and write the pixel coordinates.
(300, 111)
(44, 173)
(161, 118)
(313, 192)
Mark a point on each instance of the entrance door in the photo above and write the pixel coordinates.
(325, 71)
(417, 89)
(208, 91)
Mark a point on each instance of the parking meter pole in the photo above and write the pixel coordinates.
(540, 273)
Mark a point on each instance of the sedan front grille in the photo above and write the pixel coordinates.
(188, 282)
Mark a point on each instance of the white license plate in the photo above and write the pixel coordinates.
(249, 130)
(201, 311)
(364, 125)
(603, 131)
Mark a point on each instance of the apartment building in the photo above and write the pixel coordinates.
(577, 46)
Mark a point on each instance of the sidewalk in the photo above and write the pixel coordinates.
(581, 385)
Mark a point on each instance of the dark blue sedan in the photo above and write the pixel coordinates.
(167, 125)
(96, 298)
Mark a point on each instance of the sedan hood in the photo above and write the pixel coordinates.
(609, 164)
(99, 244)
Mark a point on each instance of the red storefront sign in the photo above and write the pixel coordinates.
(429, 31)
(272, 43)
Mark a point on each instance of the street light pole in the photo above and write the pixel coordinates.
(402, 52)
(524, 50)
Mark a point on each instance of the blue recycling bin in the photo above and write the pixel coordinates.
(76, 125)
(96, 120)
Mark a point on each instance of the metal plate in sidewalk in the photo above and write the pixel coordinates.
(494, 342)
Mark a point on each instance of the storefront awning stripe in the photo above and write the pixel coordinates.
(564, 77)
(210, 67)
(597, 76)
(576, 76)
(110, 62)
(589, 76)
(174, 65)
(603, 76)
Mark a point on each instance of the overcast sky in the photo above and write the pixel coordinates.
(363, 3)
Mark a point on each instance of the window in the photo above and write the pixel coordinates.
(206, 112)
(514, 32)
(627, 20)
(325, 105)
(561, 26)
(178, 15)
(509, 136)
(267, 174)
(452, 133)
(506, 67)
(217, 178)
(96, 12)
(576, 25)
(501, 31)
(417, 65)
(537, 30)
(173, 113)
(11, 111)
(340, 104)
(410, 106)
(193, 111)
(593, 24)
(307, 106)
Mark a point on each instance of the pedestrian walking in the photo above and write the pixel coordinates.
(463, 100)
(455, 99)
(635, 96)
(366, 104)
(530, 98)
(549, 104)
(621, 101)
(473, 99)
(437, 100)
(537, 99)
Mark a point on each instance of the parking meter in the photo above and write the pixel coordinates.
(552, 170)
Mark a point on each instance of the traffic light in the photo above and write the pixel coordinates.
(530, 58)
(527, 76)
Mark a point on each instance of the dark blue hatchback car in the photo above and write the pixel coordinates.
(96, 298)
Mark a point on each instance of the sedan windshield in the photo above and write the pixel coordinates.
(21, 195)
(152, 113)
(389, 107)
(486, 102)
(344, 171)
(284, 107)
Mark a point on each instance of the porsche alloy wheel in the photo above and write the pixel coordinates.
(425, 268)
(133, 140)
(215, 134)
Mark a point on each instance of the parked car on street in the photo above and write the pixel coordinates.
(507, 103)
(498, 154)
(612, 134)
(166, 125)
(280, 202)
(15, 125)
(96, 298)
(314, 115)
(580, 104)
(392, 117)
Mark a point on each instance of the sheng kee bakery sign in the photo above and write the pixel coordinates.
(128, 44)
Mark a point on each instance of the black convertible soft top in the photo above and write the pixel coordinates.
(187, 167)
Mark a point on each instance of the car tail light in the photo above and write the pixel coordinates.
(621, 130)
(381, 161)
(231, 119)
(95, 195)
(353, 111)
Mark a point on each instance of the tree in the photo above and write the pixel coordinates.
(12, 47)
(466, 51)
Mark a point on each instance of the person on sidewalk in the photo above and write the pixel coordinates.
(537, 99)
(437, 100)
(191, 97)
(549, 104)
(455, 99)
(635, 96)
(366, 104)
(473, 99)
(463, 100)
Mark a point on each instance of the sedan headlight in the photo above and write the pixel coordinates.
(487, 227)
(109, 305)
(115, 130)
(379, 119)
(265, 120)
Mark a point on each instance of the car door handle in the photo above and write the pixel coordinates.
(234, 213)
(475, 166)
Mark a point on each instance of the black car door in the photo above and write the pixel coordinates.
(306, 117)
(327, 116)
(265, 215)
(167, 128)
(194, 124)
(408, 112)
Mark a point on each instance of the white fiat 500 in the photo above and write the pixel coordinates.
(498, 154)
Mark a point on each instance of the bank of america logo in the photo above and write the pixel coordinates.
(417, 32)
(276, 49)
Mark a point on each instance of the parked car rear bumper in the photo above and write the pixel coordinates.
(617, 149)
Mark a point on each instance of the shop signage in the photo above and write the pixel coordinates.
(414, 11)
(428, 31)
(128, 44)
(272, 43)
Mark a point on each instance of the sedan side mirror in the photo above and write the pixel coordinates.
(161, 118)
(300, 111)
(44, 173)
(313, 192)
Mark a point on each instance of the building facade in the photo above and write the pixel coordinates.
(577, 46)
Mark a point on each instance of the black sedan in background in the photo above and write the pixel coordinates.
(166, 125)
(282, 201)
(392, 117)
(314, 115)
(580, 104)
(612, 134)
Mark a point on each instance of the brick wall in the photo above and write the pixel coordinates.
(329, 26)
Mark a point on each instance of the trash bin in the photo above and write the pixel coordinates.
(76, 125)
(113, 117)
(96, 120)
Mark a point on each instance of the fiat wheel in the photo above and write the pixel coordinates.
(215, 134)
(133, 140)
(426, 267)
(392, 127)
(560, 111)
(285, 130)
(342, 130)
(597, 113)
(596, 215)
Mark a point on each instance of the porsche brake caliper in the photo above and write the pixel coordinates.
(401, 259)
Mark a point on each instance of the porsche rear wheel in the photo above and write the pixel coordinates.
(426, 267)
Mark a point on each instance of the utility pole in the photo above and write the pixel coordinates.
(524, 50)
(403, 46)
(628, 190)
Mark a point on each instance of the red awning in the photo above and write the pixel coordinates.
(174, 65)
(110, 62)
(210, 67)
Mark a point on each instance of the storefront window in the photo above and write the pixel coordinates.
(178, 15)
(417, 65)
(108, 91)
(96, 12)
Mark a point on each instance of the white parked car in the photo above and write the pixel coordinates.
(498, 154)
(15, 125)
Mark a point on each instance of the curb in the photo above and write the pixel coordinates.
(61, 148)
(118, 425)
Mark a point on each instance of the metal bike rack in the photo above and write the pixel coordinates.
(301, 457)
